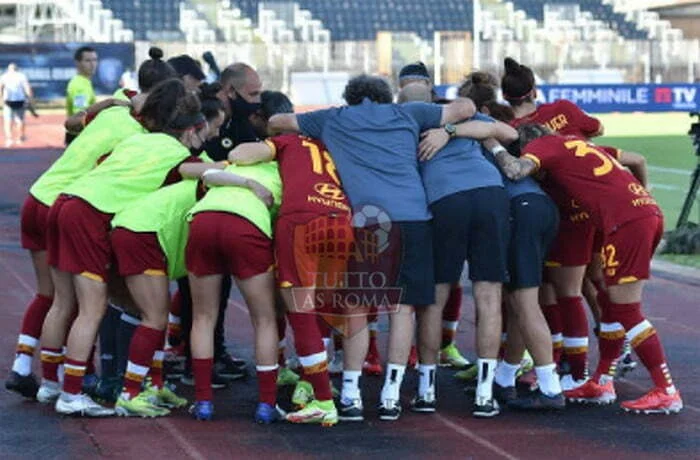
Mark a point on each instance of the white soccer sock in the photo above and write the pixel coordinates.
(22, 364)
(392, 382)
(351, 386)
(487, 371)
(426, 379)
(505, 374)
(548, 379)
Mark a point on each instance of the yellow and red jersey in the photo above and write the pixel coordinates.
(563, 117)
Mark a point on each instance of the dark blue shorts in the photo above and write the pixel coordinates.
(472, 225)
(415, 274)
(534, 224)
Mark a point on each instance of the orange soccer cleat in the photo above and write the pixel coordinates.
(657, 401)
(592, 392)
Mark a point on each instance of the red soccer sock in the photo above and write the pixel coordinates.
(174, 317)
(142, 348)
(73, 378)
(575, 325)
(645, 341)
(312, 354)
(156, 371)
(373, 349)
(451, 315)
(611, 339)
(201, 370)
(32, 323)
(552, 314)
(267, 384)
(51, 359)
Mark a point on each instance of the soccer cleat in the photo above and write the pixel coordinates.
(536, 400)
(412, 358)
(592, 392)
(293, 363)
(372, 366)
(90, 382)
(202, 410)
(626, 362)
(266, 414)
(451, 357)
(229, 368)
(173, 369)
(468, 374)
(139, 406)
(303, 394)
(424, 404)
(526, 364)
(164, 397)
(568, 383)
(504, 395)
(322, 412)
(81, 404)
(656, 401)
(48, 392)
(389, 410)
(527, 380)
(286, 377)
(336, 364)
(217, 382)
(25, 385)
(108, 390)
(351, 411)
(486, 408)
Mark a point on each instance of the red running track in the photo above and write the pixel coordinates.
(31, 430)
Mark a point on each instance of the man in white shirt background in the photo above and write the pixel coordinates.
(16, 93)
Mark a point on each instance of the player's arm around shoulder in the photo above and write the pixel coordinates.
(218, 177)
(513, 167)
(460, 109)
(250, 153)
(637, 165)
(282, 123)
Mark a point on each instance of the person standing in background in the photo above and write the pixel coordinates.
(80, 94)
(16, 92)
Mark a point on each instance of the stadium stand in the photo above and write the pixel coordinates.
(150, 20)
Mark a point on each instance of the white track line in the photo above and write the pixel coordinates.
(467, 433)
(181, 439)
(680, 172)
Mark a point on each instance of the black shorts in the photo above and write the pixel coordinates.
(472, 225)
(415, 271)
(534, 224)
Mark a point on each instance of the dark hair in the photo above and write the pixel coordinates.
(480, 87)
(500, 112)
(186, 65)
(376, 89)
(274, 102)
(531, 131)
(517, 82)
(417, 70)
(153, 71)
(78, 56)
(170, 108)
(211, 104)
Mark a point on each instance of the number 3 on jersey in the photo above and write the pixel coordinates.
(317, 163)
(581, 149)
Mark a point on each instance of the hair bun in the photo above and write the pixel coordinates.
(512, 66)
(209, 90)
(155, 53)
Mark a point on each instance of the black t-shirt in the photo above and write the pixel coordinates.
(235, 131)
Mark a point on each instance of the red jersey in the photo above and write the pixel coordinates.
(593, 178)
(563, 117)
(310, 182)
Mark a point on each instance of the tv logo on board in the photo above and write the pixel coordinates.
(680, 97)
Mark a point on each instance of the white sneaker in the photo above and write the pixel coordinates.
(336, 364)
(48, 392)
(568, 383)
(81, 404)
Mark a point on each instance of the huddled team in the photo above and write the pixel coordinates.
(299, 203)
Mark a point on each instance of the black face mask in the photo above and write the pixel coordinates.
(243, 108)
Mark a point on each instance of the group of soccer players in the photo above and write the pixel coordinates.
(372, 200)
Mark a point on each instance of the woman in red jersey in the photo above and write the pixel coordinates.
(34, 222)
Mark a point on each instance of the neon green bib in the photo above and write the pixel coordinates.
(79, 94)
(98, 138)
(241, 201)
(136, 167)
(164, 212)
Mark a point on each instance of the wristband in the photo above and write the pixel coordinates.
(498, 149)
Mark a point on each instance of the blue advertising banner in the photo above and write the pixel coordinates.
(49, 66)
(616, 98)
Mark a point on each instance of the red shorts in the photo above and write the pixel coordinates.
(221, 243)
(627, 252)
(312, 249)
(573, 245)
(52, 230)
(137, 253)
(33, 223)
(83, 240)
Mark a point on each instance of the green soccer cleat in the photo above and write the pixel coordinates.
(164, 397)
(451, 357)
(286, 377)
(469, 374)
(303, 394)
(321, 412)
(139, 406)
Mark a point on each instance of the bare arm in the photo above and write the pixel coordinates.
(75, 123)
(435, 139)
(458, 110)
(281, 123)
(514, 168)
(225, 178)
(637, 165)
(27, 89)
(251, 153)
(195, 170)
